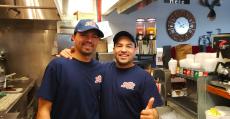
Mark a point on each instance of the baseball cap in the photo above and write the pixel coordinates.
(123, 33)
(87, 24)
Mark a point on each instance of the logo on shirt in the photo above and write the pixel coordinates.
(98, 79)
(128, 85)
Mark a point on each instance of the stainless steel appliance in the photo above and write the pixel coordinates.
(221, 43)
(163, 75)
(223, 73)
(3, 59)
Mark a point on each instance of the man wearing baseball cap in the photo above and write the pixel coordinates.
(127, 91)
(70, 88)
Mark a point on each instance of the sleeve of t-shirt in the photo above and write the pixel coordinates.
(49, 83)
(150, 90)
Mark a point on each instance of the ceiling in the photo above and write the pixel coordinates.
(67, 8)
(62, 9)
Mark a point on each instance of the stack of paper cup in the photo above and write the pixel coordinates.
(172, 66)
(190, 56)
(209, 65)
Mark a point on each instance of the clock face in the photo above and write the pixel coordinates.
(181, 25)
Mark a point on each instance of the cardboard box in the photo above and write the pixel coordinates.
(102, 46)
(82, 15)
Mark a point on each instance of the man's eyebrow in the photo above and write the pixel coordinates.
(131, 44)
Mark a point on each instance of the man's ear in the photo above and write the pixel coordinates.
(72, 37)
(136, 48)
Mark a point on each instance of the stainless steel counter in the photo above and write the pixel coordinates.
(19, 105)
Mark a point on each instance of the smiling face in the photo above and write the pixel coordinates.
(124, 52)
(86, 42)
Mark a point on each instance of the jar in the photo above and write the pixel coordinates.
(140, 26)
(151, 27)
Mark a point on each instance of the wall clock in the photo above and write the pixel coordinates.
(181, 25)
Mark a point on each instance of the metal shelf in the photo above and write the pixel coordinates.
(185, 106)
(186, 77)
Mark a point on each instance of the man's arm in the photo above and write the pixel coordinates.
(44, 109)
(66, 53)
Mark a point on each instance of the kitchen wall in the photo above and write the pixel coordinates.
(29, 45)
(160, 10)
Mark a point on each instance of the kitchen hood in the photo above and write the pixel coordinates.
(28, 9)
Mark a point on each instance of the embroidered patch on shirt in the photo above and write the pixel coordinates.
(128, 85)
(98, 79)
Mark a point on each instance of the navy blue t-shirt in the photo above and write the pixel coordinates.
(125, 92)
(73, 87)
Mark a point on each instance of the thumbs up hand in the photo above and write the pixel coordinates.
(149, 112)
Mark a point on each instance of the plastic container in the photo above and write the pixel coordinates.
(172, 66)
(209, 116)
(151, 26)
(140, 26)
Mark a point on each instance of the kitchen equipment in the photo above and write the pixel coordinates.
(2, 78)
(221, 43)
(3, 59)
(163, 75)
(224, 48)
(140, 33)
(151, 35)
(204, 41)
(223, 72)
(140, 29)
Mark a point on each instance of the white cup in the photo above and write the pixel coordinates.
(172, 66)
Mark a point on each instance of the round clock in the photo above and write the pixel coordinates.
(181, 25)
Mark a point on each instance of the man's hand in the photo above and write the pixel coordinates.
(66, 53)
(149, 112)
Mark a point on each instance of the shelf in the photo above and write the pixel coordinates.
(145, 56)
(186, 77)
(186, 103)
(218, 91)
